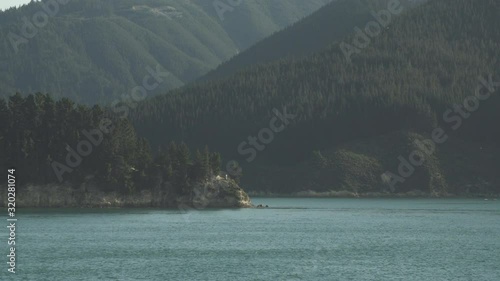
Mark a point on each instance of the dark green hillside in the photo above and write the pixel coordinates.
(405, 80)
(313, 33)
(94, 51)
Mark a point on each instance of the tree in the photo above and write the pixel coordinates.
(206, 169)
(172, 154)
(215, 163)
(4, 129)
(181, 173)
(198, 173)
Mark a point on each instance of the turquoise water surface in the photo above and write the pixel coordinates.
(294, 239)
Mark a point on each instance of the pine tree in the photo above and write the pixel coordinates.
(172, 154)
(198, 173)
(215, 163)
(181, 174)
(206, 170)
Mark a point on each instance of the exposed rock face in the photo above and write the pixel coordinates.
(218, 193)
(214, 193)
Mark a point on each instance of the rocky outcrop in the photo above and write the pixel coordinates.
(217, 193)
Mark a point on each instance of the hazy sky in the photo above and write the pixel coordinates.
(4, 4)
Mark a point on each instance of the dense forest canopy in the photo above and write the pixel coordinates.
(418, 68)
(406, 78)
(59, 142)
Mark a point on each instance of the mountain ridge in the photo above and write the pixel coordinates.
(316, 32)
(94, 51)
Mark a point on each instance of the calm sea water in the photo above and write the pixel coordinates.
(295, 239)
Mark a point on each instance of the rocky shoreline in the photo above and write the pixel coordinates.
(350, 194)
(214, 193)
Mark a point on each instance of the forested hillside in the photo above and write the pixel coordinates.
(313, 33)
(396, 89)
(94, 51)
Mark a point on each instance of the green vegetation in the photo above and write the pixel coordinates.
(354, 119)
(38, 135)
(94, 51)
(429, 59)
(355, 167)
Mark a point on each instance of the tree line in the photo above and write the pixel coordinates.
(37, 131)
